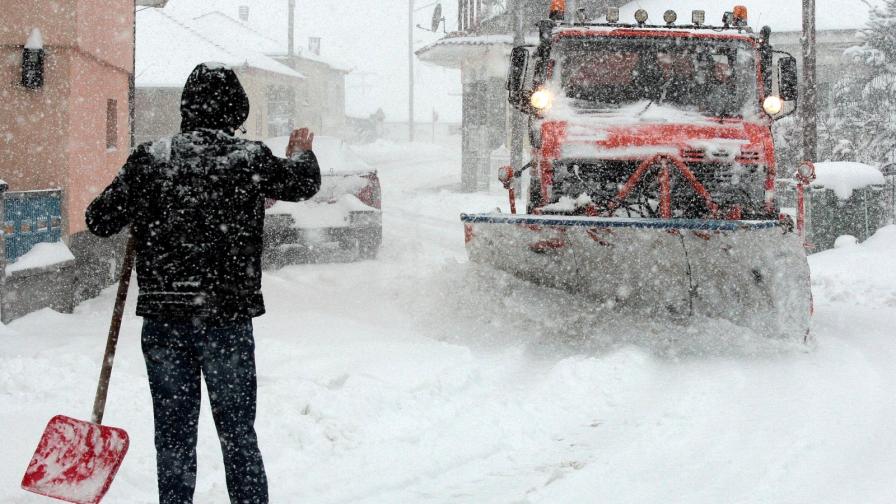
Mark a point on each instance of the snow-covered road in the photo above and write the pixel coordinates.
(421, 378)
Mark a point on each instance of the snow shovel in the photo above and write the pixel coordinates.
(75, 460)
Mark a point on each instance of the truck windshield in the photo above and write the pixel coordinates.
(713, 77)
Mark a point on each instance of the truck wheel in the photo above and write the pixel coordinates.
(369, 242)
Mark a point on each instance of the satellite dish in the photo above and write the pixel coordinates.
(437, 17)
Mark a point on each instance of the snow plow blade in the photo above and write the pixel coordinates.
(752, 273)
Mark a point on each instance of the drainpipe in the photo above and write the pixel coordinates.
(3, 189)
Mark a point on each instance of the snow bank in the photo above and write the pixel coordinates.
(858, 274)
(42, 255)
(423, 378)
(844, 177)
(332, 153)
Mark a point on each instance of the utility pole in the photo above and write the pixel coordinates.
(411, 70)
(292, 31)
(810, 91)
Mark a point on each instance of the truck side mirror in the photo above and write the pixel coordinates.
(789, 85)
(516, 80)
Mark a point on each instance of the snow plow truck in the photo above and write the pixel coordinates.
(652, 180)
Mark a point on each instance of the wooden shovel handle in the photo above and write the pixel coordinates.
(102, 390)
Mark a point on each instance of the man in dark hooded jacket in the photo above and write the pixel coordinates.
(195, 206)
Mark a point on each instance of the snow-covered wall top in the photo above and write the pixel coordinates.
(782, 16)
(844, 177)
(42, 255)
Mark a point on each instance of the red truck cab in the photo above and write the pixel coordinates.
(639, 120)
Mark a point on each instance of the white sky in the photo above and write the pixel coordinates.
(369, 37)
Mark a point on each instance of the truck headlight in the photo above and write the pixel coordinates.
(542, 99)
(773, 105)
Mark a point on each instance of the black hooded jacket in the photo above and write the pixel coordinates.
(195, 204)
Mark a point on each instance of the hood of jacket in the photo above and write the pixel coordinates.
(214, 99)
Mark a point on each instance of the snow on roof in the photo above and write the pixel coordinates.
(35, 40)
(781, 16)
(845, 177)
(267, 19)
(168, 49)
(214, 25)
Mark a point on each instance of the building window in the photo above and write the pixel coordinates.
(281, 106)
(111, 124)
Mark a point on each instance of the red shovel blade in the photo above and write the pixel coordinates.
(76, 460)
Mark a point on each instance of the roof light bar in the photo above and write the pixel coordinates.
(641, 16)
(613, 15)
(740, 15)
(582, 16)
(558, 10)
(728, 19)
(670, 16)
(698, 17)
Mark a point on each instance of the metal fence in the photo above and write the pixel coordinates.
(472, 13)
(29, 218)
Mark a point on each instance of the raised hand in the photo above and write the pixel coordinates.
(301, 140)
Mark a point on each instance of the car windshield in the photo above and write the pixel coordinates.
(713, 77)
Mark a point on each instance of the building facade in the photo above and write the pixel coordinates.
(71, 132)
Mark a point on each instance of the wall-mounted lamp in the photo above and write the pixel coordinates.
(33, 61)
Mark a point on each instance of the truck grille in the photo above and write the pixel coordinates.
(728, 184)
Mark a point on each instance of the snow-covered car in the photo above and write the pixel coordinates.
(344, 216)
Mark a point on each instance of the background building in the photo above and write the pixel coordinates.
(284, 91)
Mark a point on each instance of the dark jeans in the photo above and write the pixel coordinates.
(177, 355)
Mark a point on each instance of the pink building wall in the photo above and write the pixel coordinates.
(56, 136)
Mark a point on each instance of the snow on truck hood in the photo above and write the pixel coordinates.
(638, 131)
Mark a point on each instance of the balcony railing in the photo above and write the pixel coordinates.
(471, 14)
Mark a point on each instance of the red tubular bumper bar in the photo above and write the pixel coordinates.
(665, 181)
